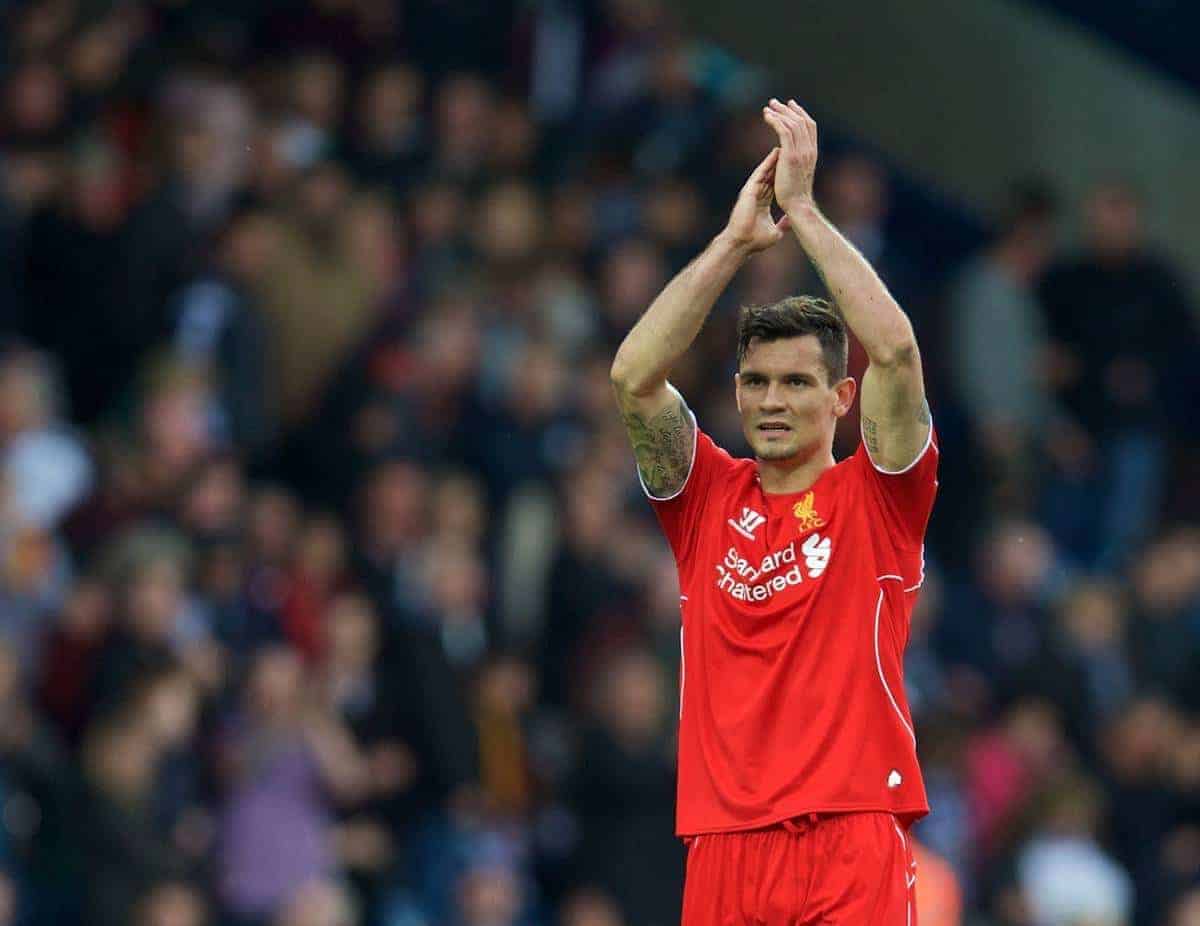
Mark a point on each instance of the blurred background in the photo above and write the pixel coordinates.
(327, 593)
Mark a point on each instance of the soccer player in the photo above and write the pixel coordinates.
(798, 775)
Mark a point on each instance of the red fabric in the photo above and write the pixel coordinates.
(302, 616)
(68, 664)
(845, 870)
(793, 607)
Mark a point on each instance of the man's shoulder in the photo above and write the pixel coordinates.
(724, 463)
(716, 473)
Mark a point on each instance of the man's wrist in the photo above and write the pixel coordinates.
(806, 221)
(729, 245)
(802, 210)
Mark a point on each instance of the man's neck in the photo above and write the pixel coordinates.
(795, 474)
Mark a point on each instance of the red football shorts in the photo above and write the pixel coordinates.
(852, 869)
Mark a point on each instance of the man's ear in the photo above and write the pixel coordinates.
(737, 393)
(845, 392)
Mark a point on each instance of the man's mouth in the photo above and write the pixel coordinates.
(773, 427)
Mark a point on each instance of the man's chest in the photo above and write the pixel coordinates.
(761, 553)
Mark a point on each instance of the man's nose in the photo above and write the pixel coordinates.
(773, 397)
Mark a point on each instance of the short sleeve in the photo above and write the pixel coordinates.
(903, 499)
(680, 514)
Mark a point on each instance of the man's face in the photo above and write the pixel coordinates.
(787, 405)
(1113, 221)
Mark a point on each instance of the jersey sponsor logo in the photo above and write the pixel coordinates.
(817, 550)
(741, 579)
(748, 523)
(806, 513)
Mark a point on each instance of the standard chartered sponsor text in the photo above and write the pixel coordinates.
(738, 578)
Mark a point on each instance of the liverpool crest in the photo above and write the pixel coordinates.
(806, 514)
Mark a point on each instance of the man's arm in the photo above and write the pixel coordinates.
(660, 426)
(895, 414)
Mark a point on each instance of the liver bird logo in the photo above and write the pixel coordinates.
(806, 514)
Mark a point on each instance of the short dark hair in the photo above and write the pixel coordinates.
(796, 317)
(1031, 202)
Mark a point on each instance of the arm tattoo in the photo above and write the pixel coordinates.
(662, 447)
(923, 416)
(870, 430)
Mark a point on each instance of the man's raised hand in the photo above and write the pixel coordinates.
(751, 226)
(797, 153)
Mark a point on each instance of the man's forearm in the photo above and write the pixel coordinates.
(895, 416)
(869, 309)
(670, 325)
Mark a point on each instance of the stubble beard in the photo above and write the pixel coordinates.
(780, 451)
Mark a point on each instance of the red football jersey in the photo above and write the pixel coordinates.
(795, 619)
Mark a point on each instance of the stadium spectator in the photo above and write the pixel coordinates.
(126, 850)
(1018, 580)
(1082, 666)
(366, 700)
(72, 281)
(172, 904)
(149, 572)
(318, 903)
(1163, 635)
(46, 469)
(939, 896)
(585, 591)
(504, 701)
(590, 908)
(855, 194)
(1186, 911)
(1120, 381)
(285, 762)
(1005, 768)
(314, 270)
(389, 140)
(1064, 874)
(72, 642)
(1137, 748)
(1000, 348)
(622, 790)
(218, 324)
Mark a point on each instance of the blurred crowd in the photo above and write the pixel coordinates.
(327, 593)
